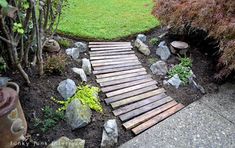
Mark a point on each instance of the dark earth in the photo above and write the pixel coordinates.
(38, 95)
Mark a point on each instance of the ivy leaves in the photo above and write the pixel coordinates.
(17, 27)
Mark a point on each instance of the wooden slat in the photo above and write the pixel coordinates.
(142, 127)
(110, 45)
(121, 77)
(114, 82)
(114, 60)
(114, 63)
(146, 116)
(137, 98)
(92, 58)
(130, 94)
(110, 48)
(112, 53)
(138, 104)
(144, 109)
(124, 90)
(124, 85)
(116, 69)
(119, 73)
(107, 43)
(117, 66)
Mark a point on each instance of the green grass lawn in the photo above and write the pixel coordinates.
(106, 19)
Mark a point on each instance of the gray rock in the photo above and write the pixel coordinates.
(86, 66)
(81, 46)
(142, 37)
(73, 52)
(175, 81)
(163, 51)
(65, 142)
(67, 88)
(81, 73)
(77, 114)
(52, 46)
(110, 134)
(143, 48)
(159, 68)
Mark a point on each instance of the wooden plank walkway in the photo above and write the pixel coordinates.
(130, 90)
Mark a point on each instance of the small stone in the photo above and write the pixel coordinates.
(78, 115)
(110, 134)
(52, 46)
(179, 45)
(175, 81)
(81, 46)
(142, 37)
(143, 48)
(65, 142)
(81, 73)
(86, 66)
(73, 52)
(163, 51)
(165, 82)
(159, 68)
(67, 88)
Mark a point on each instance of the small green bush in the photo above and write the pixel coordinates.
(154, 41)
(55, 64)
(64, 43)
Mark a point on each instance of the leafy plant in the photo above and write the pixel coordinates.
(64, 43)
(17, 27)
(55, 64)
(186, 62)
(50, 119)
(87, 95)
(154, 41)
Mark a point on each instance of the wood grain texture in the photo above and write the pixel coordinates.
(93, 58)
(138, 104)
(115, 63)
(124, 90)
(114, 60)
(107, 43)
(144, 109)
(116, 69)
(146, 116)
(121, 77)
(111, 53)
(116, 66)
(130, 94)
(137, 98)
(142, 127)
(124, 85)
(110, 48)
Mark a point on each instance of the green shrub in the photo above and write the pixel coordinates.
(55, 64)
(154, 41)
(64, 43)
(186, 62)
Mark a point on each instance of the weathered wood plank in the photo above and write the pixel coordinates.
(142, 127)
(107, 43)
(114, 63)
(110, 48)
(119, 73)
(133, 78)
(117, 66)
(116, 69)
(93, 58)
(124, 85)
(144, 109)
(137, 98)
(138, 104)
(124, 90)
(130, 94)
(146, 116)
(112, 53)
(121, 77)
(114, 60)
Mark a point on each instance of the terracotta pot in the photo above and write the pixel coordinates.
(13, 125)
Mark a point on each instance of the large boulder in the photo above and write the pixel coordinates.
(81, 73)
(143, 48)
(65, 142)
(86, 66)
(73, 52)
(81, 46)
(163, 51)
(77, 114)
(141, 37)
(67, 88)
(159, 68)
(110, 134)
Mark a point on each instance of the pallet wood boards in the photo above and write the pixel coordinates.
(130, 90)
